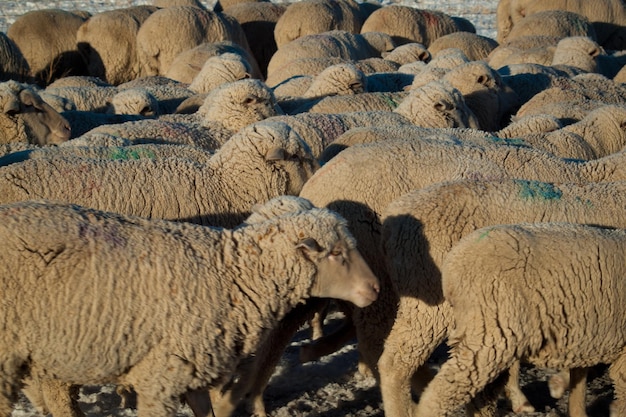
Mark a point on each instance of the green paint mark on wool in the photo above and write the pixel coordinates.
(128, 154)
(392, 103)
(484, 234)
(538, 189)
(509, 141)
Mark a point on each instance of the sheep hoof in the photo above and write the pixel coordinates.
(557, 386)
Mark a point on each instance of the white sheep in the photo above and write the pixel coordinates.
(314, 246)
(13, 65)
(257, 19)
(409, 24)
(194, 26)
(437, 104)
(475, 47)
(309, 17)
(334, 43)
(47, 40)
(584, 53)
(107, 42)
(134, 101)
(548, 293)
(186, 65)
(85, 98)
(224, 111)
(537, 49)
(111, 152)
(255, 165)
(351, 184)
(434, 228)
(25, 117)
(218, 70)
(608, 16)
(559, 23)
(486, 95)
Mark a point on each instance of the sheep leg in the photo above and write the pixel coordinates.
(472, 366)
(328, 344)
(558, 383)
(519, 402)
(578, 389)
(401, 365)
(253, 377)
(159, 380)
(199, 402)
(617, 372)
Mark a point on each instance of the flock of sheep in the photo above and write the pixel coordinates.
(185, 188)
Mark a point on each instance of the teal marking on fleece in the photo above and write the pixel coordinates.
(128, 154)
(538, 189)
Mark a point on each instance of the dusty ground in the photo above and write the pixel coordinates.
(332, 387)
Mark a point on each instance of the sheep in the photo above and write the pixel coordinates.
(487, 96)
(13, 65)
(559, 23)
(168, 96)
(88, 98)
(258, 19)
(475, 47)
(78, 81)
(124, 152)
(408, 53)
(374, 101)
(219, 70)
(107, 42)
(583, 92)
(297, 21)
(188, 63)
(412, 164)
(536, 49)
(47, 40)
(334, 43)
(194, 26)
(134, 101)
(336, 80)
(608, 16)
(584, 53)
(416, 279)
(224, 111)
(435, 105)
(258, 163)
(170, 3)
(545, 265)
(327, 251)
(27, 118)
(408, 24)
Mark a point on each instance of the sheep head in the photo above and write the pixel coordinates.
(239, 103)
(27, 118)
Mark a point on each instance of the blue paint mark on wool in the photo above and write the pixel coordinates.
(538, 189)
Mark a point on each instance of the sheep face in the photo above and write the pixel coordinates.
(33, 120)
(239, 103)
(342, 273)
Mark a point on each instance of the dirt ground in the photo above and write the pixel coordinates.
(332, 387)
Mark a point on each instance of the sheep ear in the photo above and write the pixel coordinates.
(11, 106)
(276, 154)
(309, 245)
(424, 56)
(593, 52)
(483, 80)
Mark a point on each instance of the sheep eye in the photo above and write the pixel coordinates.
(250, 100)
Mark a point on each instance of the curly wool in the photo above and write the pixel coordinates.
(256, 250)
(254, 166)
(417, 223)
